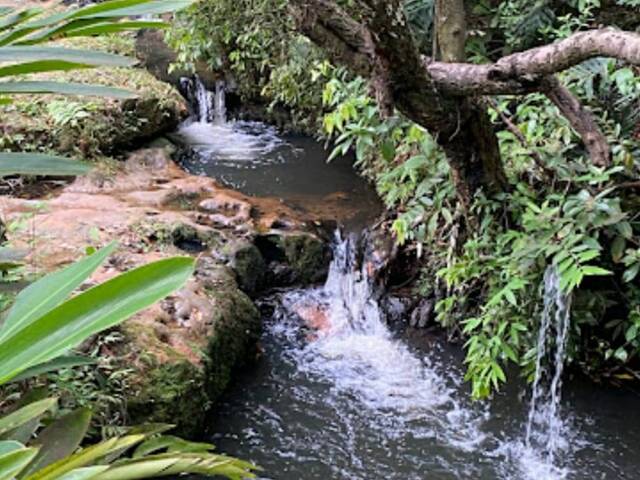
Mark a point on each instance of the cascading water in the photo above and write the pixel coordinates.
(547, 442)
(544, 426)
(338, 395)
(213, 137)
(219, 104)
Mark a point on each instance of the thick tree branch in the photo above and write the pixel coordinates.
(581, 119)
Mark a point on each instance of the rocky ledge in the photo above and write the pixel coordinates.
(182, 353)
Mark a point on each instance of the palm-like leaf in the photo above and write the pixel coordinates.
(21, 32)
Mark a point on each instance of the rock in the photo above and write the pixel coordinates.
(422, 314)
(185, 359)
(294, 257)
(248, 264)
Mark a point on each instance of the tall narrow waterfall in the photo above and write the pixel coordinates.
(544, 427)
(219, 104)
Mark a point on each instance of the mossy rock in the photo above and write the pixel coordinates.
(171, 386)
(172, 393)
(295, 258)
(93, 127)
(248, 264)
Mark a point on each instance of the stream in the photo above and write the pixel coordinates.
(355, 398)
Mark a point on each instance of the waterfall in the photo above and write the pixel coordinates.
(203, 103)
(219, 104)
(544, 431)
(356, 352)
(352, 291)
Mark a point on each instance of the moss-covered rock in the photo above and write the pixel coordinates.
(180, 374)
(92, 127)
(248, 264)
(295, 258)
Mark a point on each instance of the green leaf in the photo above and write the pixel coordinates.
(60, 439)
(13, 462)
(55, 365)
(137, 8)
(84, 57)
(39, 66)
(106, 28)
(11, 21)
(91, 312)
(617, 248)
(25, 414)
(631, 272)
(86, 473)
(593, 270)
(86, 457)
(40, 164)
(50, 291)
(621, 355)
(63, 88)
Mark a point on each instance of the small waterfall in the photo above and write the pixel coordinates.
(352, 290)
(355, 350)
(219, 104)
(545, 437)
(201, 101)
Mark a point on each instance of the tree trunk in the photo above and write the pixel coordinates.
(472, 150)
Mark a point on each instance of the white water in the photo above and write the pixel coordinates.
(549, 442)
(213, 136)
(359, 355)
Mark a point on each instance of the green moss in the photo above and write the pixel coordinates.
(237, 329)
(248, 264)
(91, 127)
(306, 255)
(172, 393)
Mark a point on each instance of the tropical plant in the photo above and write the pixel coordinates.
(38, 331)
(21, 34)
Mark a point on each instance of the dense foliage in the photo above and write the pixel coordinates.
(483, 266)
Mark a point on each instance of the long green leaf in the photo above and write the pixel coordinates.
(39, 164)
(88, 27)
(86, 457)
(40, 66)
(106, 28)
(85, 57)
(54, 365)
(59, 440)
(14, 462)
(147, 8)
(86, 473)
(50, 291)
(64, 89)
(7, 446)
(91, 312)
(17, 18)
(25, 414)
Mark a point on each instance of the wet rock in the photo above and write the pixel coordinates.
(294, 258)
(248, 265)
(395, 308)
(422, 314)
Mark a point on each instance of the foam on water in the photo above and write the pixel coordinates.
(360, 357)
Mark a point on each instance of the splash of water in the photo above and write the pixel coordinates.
(239, 144)
(546, 447)
(358, 354)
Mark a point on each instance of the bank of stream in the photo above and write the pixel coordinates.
(338, 392)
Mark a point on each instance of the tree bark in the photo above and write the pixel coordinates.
(451, 29)
(441, 96)
(582, 121)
